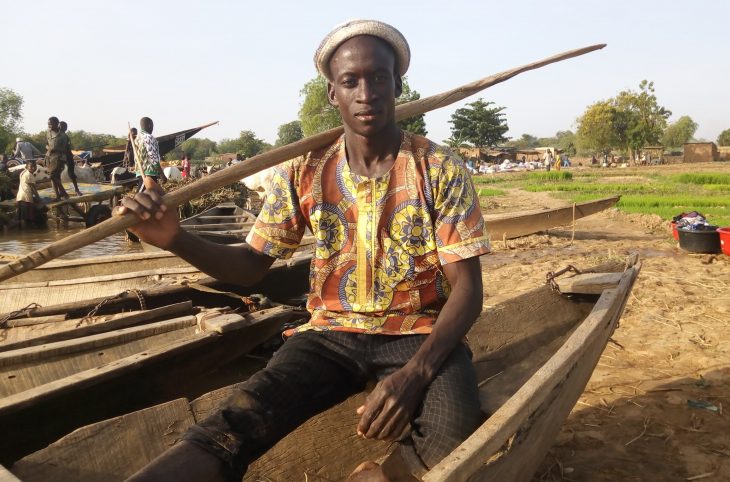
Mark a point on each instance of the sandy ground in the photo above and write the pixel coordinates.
(637, 420)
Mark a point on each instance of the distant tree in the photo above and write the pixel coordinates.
(597, 127)
(479, 125)
(456, 144)
(642, 120)
(680, 132)
(629, 121)
(247, 144)
(80, 139)
(197, 149)
(527, 141)
(567, 142)
(317, 114)
(417, 124)
(11, 115)
(288, 133)
(724, 138)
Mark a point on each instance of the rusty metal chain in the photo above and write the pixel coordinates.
(13, 314)
(550, 276)
(92, 313)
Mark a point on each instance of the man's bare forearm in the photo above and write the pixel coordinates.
(238, 264)
(456, 318)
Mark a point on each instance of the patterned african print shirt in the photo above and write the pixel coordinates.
(148, 152)
(380, 242)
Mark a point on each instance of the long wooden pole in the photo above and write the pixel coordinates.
(264, 161)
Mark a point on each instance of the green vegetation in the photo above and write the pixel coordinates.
(550, 176)
(627, 122)
(724, 138)
(705, 178)
(489, 192)
(478, 125)
(641, 192)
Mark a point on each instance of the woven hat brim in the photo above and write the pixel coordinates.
(351, 29)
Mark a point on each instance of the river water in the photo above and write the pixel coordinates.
(19, 242)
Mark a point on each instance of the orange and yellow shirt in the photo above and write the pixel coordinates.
(380, 242)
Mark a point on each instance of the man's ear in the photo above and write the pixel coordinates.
(331, 95)
(398, 86)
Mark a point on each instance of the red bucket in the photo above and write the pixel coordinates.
(724, 240)
(675, 234)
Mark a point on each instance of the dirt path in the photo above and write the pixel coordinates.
(641, 417)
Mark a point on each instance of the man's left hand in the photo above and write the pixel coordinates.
(389, 407)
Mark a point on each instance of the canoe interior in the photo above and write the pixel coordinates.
(98, 266)
(196, 363)
(285, 281)
(510, 342)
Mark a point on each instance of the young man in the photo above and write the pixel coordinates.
(70, 163)
(56, 148)
(397, 285)
(27, 196)
(25, 150)
(148, 153)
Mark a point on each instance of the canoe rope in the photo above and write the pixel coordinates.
(550, 276)
(92, 313)
(25, 312)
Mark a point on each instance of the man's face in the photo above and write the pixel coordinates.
(31, 167)
(364, 85)
(53, 125)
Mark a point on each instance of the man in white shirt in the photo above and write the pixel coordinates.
(25, 150)
(27, 195)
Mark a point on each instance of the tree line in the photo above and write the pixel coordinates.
(627, 122)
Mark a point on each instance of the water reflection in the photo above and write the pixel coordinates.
(21, 242)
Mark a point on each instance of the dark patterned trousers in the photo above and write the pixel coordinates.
(313, 371)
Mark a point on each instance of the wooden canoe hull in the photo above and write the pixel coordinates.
(524, 223)
(534, 354)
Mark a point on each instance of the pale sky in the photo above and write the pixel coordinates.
(99, 64)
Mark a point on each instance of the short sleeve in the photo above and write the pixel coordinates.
(459, 226)
(279, 228)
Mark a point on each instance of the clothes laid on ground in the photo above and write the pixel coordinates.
(380, 242)
(57, 144)
(148, 152)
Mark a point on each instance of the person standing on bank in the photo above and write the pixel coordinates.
(148, 156)
(56, 148)
(70, 163)
(396, 280)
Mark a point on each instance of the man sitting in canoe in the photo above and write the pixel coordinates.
(395, 283)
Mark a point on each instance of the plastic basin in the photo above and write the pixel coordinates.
(699, 240)
(724, 240)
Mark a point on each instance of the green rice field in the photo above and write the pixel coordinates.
(658, 190)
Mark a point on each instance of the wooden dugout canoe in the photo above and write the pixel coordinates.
(61, 380)
(533, 354)
(523, 223)
(225, 223)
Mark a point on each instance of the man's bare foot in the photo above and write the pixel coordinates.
(368, 472)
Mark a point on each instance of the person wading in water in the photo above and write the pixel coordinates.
(398, 281)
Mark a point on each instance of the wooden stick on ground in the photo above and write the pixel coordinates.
(264, 161)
